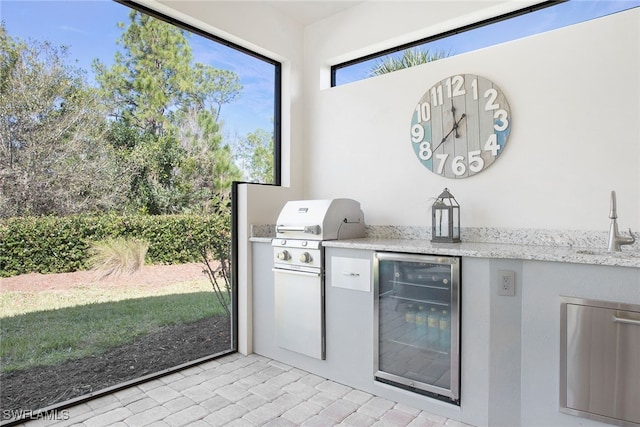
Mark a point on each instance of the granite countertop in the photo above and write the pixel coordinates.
(553, 245)
(494, 250)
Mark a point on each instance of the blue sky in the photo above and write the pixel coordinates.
(89, 29)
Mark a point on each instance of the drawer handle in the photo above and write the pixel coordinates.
(626, 321)
(344, 273)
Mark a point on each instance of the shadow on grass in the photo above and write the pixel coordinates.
(169, 347)
(46, 338)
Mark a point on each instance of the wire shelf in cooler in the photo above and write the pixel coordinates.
(425, 347)
(425, 301)
(421, 285)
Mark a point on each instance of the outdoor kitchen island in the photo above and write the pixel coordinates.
(509, 345)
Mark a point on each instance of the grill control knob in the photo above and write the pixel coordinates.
(305, 257)
(284, 255)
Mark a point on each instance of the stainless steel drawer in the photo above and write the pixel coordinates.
(600, 361)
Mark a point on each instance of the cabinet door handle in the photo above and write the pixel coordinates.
(345, 273)
(617, 319)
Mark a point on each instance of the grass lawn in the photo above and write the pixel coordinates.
(20, 302)
(49, 327)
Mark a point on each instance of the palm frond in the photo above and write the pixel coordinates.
(409, 58)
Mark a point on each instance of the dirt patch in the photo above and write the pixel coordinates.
(151, 276)
(171, 346)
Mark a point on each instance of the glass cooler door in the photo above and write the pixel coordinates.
(417, 338)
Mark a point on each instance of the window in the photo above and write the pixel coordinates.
(125, 139)
(522, 23)
(250, 121)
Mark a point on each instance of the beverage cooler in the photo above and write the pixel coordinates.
(417, 336)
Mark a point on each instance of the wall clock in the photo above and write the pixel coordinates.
(460, 126)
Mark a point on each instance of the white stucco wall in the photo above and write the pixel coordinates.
(574, 95)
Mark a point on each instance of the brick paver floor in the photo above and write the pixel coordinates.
(238, 390)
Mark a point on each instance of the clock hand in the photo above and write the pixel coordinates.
(457, 123)
(444, 138)
(454, 128)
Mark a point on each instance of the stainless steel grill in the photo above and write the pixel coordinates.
(298, 265)
(320, 220)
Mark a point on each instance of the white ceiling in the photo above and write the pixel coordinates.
(309, 11)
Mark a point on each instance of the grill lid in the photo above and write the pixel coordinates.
(321, 220)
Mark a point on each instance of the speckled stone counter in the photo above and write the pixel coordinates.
(539, 245)
(493, 250)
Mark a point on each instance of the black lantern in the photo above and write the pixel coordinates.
(445, 219)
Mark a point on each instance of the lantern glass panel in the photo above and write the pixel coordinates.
(456, 222)
(442, 222)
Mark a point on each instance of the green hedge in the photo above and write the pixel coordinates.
(60, 244)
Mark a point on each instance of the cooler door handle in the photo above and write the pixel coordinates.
(617, 319)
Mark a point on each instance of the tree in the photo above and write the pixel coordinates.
(214, 88)
(53, 158)
(150, 77)
(173, 105)
(255, 154)
(409, 58)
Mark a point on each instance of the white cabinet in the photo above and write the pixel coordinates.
(348, 317)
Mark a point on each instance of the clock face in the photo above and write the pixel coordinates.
(460, 126)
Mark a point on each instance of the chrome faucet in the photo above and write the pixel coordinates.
(615, 239)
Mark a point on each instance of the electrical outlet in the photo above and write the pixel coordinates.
(506, 283)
